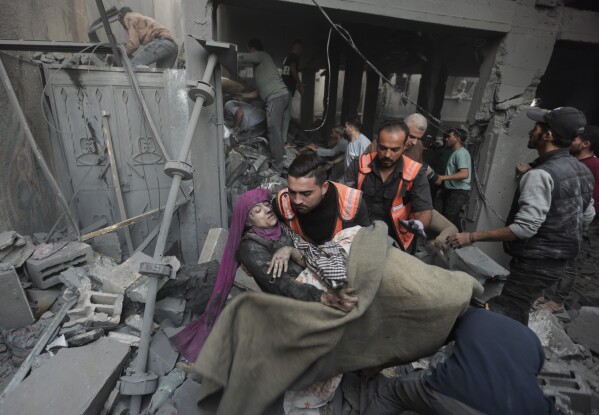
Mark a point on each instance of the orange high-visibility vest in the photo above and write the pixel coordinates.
(348, 202)
(398, 209)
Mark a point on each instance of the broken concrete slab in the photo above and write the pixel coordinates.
(109, 245)
(77, 278)
(552, 335)
(166, 387)
(138, 291)
(585, 328)
(87, 374)
(15, 312)
(97, 309)
(121, 277)
(162, 356)
(185, 397)
(125, 338)
(475, 262)
(135, 322)
(170, 308)
(15, 249)
(41, 300)
(214, 247)
(49, 260)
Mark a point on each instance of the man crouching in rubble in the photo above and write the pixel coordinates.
(553, 204)
(493, 370)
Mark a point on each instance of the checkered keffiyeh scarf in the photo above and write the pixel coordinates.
(327, 261)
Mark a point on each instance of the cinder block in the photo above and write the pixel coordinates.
(570, 385)
(214, 247)
(75, 381)
(45, 271)
(97, 309)
(15, 312)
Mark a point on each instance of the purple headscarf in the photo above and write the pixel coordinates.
(190, 340)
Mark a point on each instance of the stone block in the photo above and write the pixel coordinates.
(121, 277)
(135, 322)
(475, 262)
(85, 338)
(49, 260)
(97, 309)
(41, 300)
(14, 307)
(125, 338)
(162, 357)
(570, 385)
(76, 381)
(109, 245)
(76, 277)
(170, 308)
(214, 247)
(552, 335)
(138, 291)
(585, 328)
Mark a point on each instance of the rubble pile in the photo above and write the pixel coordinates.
(97, 335)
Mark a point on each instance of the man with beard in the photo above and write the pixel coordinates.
(584, 148)
(315, 208)
(553, 204)
(395, 187)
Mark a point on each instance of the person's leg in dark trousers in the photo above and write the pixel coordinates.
(275, 111)
(561, 292)
(412, 393)
(453, 201)
(527, 280)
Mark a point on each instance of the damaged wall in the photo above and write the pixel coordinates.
(26, 201)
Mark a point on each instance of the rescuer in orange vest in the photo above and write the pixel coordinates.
(315, 208)
(394, 186)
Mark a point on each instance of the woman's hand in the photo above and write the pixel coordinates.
(344, 299)
(279, 262)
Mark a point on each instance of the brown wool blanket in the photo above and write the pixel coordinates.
(264, 344)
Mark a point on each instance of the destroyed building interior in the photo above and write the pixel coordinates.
(124, 287)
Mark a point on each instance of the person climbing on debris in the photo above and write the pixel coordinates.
(313, 207)
(336, 154)
(157, 42)
(493, 370)
(552, 206)
(273, 92)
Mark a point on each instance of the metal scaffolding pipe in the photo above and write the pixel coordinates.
(144, 341)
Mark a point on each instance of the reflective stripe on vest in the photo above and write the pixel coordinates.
(348, 200)
(398, 209)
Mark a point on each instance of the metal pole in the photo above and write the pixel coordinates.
(133, 80)
(144, 341)
(116, 182)
(109, 33)
(12, 97)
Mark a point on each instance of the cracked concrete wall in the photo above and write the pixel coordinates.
(498, 124)
(26, 201)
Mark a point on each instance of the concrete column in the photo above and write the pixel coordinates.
(510, 73)
(307, 108)
(370, 101)
(207, 154)
(352, 85)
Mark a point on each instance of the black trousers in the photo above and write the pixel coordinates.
(453, 201)
(527, 280)
(413, 393)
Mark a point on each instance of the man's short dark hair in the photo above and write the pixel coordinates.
(296, 42)
(559, 140)
(393, 125)
(355, 122)
(591, 134)
(256, 44)
(459, 132)
(123, 11)
(309, 165)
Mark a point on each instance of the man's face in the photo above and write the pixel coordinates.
(305, 193)
(348, 128)
(535, 137)
(414, 136)
(297, 49)
(390, 147)
(577, 146)
(450, 139)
